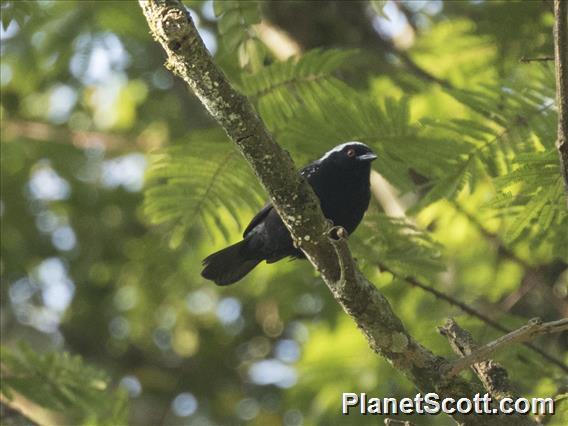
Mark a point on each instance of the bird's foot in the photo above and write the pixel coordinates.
(338, 233)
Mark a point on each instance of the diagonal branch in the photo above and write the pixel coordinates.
(172, 26)
(493, 376)
(13, 416)
(534, 328)
(561, 67)
(283, 45)
(415, 282)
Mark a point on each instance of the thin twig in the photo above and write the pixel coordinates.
(561, 71)
(475, 313)
(534, 328)
(525, 60)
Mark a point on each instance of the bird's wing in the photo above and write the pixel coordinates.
(258, 218)
(307, 172)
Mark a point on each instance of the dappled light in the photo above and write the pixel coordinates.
(117, 183)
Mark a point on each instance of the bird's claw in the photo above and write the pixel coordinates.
(338, 233)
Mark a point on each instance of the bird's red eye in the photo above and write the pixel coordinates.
(350, 152)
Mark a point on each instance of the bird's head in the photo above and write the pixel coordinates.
(349, 155)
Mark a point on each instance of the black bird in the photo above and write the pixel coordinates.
(340, 179)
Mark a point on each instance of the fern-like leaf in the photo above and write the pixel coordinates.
(533, 196)
(397, 245)
(199, 182)
(62, 382)
(279, 89)
(235, 18)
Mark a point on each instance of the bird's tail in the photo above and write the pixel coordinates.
(229, 265)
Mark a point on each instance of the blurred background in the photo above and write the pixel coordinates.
(90, 266)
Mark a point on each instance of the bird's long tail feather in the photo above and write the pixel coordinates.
(229, 265)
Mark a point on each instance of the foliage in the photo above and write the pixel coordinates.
(88, 109)
(539, 204)
(16, 11)
(64, 383)
(199, 183)
(235, 30)
(399, 247)
(281, 87)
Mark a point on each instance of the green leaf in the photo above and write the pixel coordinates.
(397, 245)
(533, 209)
(62, 382)
(447, 187)
(232, 19)
(200, 182)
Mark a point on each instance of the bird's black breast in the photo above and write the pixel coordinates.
(344, 196)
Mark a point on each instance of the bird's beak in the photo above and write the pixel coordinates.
(367, 157)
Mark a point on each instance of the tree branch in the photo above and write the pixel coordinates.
(561, 67)
(10, 416)
(534, 328)
(386, 196)
(415, 282)
(282, 45)
(20, 411)
(277, 40)
(296, 203)
(35, 130)
(293, 198)
(493, 376)
(525, 60)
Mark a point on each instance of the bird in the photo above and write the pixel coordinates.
(340, 180)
